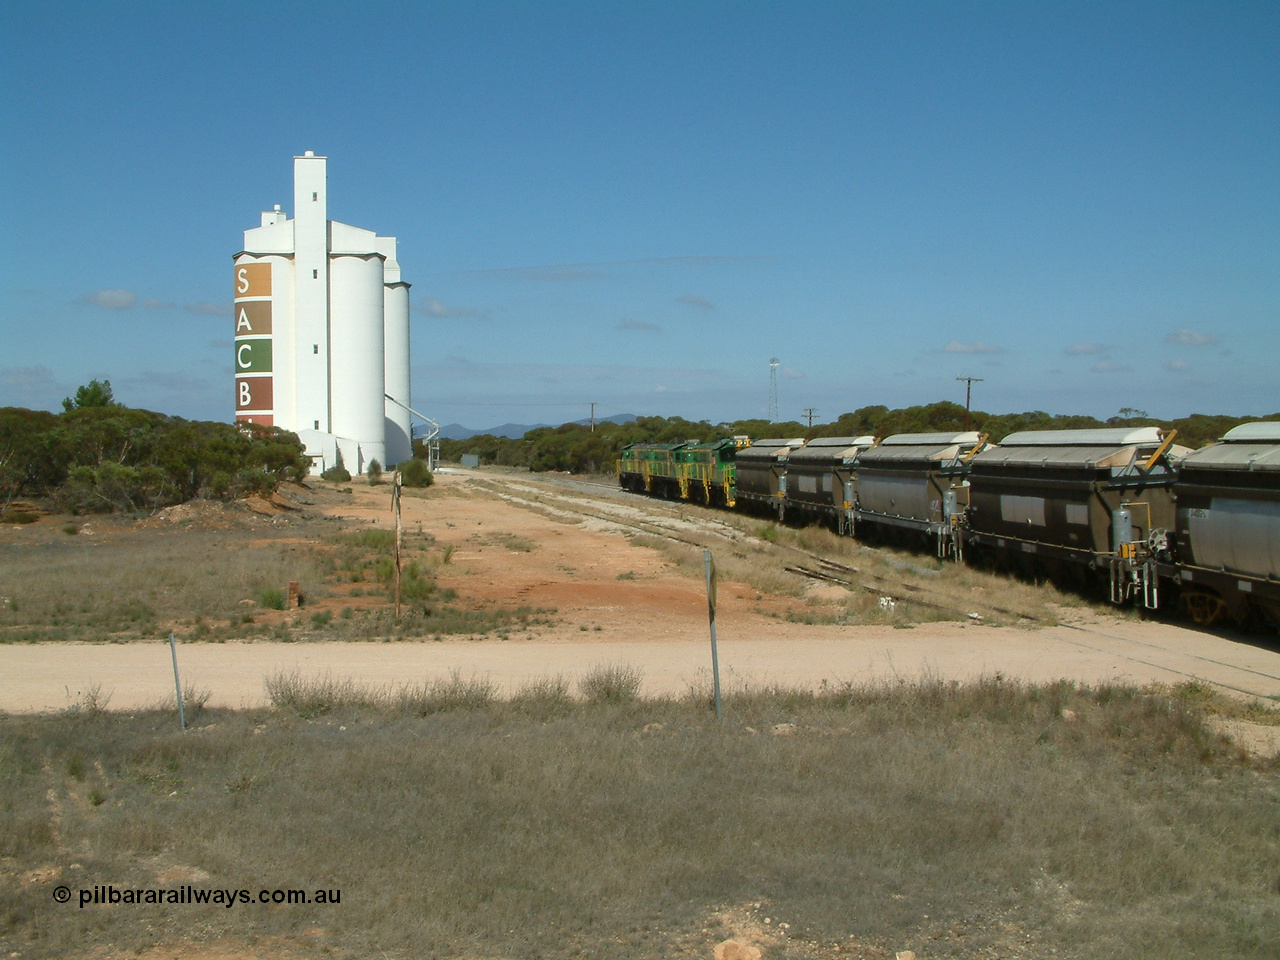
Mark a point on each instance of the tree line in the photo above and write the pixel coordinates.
(97, 456)
(575, 448)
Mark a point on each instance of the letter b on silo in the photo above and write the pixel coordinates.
(253, 393)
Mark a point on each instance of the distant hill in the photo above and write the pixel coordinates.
(456, 431)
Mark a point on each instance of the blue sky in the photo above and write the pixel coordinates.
(639, 204)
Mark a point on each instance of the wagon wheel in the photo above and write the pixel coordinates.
(1205, 608)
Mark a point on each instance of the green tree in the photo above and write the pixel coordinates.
(338, 472)
(414, 473)
(94, 458)
(95, 393)
(31, 459)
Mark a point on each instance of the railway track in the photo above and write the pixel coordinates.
(834, 577)
(578, 499)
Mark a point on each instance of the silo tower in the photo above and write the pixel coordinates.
(322, 331)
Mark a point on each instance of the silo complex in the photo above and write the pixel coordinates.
(322, 331)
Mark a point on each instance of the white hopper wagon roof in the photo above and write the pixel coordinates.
(768, 449)
(832, 448)
(1106, 447)
(1250, 446)
(920, 446)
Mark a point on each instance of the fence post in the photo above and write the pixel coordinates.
(711, 613)
(177, 686)
(395, 500)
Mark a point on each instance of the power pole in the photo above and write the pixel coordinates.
(810, 413)
(773, 390)
(593, 418)
(968, 389)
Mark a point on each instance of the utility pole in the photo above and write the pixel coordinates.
(810, 413)
(968, 389)
(773, 389)
(593, 418)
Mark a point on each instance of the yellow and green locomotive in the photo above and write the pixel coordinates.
(703, 472)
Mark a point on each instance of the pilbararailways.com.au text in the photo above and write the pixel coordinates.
(109, 894)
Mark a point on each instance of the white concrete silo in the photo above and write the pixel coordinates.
(313, 330)
(399, 424)
(357, 364)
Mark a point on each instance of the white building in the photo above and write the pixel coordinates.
(322, 331)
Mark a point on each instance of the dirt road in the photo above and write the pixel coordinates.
(521, 540)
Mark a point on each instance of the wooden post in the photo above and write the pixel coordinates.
(711, 612)
(395, 501)
(177, 686)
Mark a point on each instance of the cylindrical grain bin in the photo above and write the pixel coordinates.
(399, 425)
(357, 372)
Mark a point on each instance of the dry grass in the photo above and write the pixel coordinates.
(925, 588)
(888, 585)
(139, 583)
(990, 819)
(611, 683)
(511, 541)
(318, 697)
(128, 580)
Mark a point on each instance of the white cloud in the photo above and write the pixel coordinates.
(153, 304)
(206, 309)
(1177, 365)
(789, 373)
(1190, 338)
(1107, 366)
(955, 346)
(1085, 349)
(113, 299)
(435, 308)
(25, 378)
(639, 325)
(29, 387)
(696, 301)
